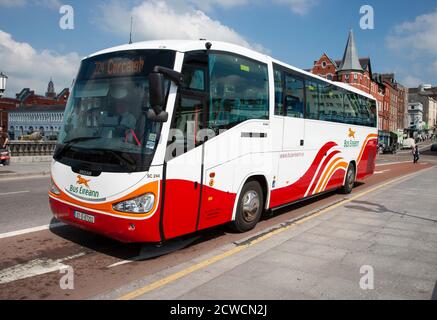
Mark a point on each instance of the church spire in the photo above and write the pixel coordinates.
(50, 90)
(351, 61)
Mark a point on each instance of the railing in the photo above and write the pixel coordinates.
(32, 148)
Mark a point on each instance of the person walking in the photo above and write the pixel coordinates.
(416, 154)
(4, 140)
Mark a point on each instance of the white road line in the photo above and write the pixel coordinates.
(382, 171)
(34, 268)
(15, 192)
(30, 230)
(390, 163)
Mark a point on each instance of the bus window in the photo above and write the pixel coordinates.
(294, 92)
(352, 108)
(312, 100)
(238, 91)
(279, 89)
(194, 78)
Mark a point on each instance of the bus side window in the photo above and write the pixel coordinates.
(312, 100)
(294, 93)
(238, 91)
(279, 91)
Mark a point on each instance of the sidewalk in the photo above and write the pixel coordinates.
(31, 169)
(393, 230)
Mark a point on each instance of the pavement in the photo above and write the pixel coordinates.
(20, 169)
(389, 235)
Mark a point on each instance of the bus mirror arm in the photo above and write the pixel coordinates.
(157, 92)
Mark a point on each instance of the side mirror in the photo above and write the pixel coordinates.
(156, 91)
(157, 98)
(160, 117)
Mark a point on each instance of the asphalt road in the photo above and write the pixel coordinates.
(23, 203)
(30, 262)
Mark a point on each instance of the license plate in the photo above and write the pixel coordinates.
(84, 217)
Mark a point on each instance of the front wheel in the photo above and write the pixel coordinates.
(249, 208)
(349, 181)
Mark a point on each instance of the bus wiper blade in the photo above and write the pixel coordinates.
(129, 164)
(69, 144)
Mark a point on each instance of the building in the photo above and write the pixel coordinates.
(415, 116)
(45, 119)
(27, 98)
(427, 96)
(357, 72)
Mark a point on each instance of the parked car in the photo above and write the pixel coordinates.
(408, 143)
(434, 147)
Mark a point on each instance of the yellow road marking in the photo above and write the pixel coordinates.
(203, 264)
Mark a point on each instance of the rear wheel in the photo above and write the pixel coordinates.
(349, 181)
(249, 208)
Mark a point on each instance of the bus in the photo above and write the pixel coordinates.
(162, 139)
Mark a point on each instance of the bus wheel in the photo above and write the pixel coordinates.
(349, 181)
(250, 207)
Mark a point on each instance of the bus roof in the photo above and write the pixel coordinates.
(191, 45)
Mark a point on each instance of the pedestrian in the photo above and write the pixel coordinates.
(4, 140)
(415, 154)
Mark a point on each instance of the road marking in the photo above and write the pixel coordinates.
(390, 163)
(15, 192)
(382, 171)
(34, 268)
(203, 264)
(30, 230)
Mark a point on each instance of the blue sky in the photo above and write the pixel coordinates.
(34, 48)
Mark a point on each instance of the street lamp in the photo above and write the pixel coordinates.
(3, 80)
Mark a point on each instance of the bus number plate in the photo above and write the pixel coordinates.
(84, 217)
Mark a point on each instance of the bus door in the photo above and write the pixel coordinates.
(291, 163)
(184, 156)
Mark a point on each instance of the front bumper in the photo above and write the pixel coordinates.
(122, 229)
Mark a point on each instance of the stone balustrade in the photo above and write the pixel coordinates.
(32, 148)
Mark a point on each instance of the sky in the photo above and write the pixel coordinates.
(34, 48)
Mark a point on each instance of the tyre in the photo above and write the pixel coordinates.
(349, 181)
(249, 208)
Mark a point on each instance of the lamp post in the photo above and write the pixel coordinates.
(3, 80)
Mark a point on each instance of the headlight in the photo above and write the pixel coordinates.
(141, 204)
(54, 189)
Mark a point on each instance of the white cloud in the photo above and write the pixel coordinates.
(411, 81)
(12, 3)
(300, 7)
(416, 37)
(157, 19)
(50, 4)
(29, 68)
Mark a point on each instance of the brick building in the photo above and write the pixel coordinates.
(27, 99)
(357, 72)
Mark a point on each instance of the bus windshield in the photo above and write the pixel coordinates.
(105, 121)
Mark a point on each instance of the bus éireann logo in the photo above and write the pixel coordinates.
(82, 188)
(351, 142)
(83, 181)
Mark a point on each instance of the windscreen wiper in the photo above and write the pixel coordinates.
(69, 143)
(126, 162)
